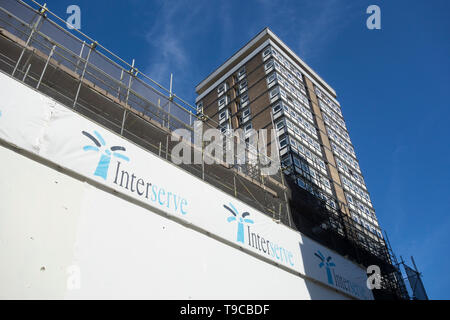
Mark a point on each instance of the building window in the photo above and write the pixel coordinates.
(224, 128)
(283, 142)
(223, 114)
(276, 108)
(241, 72)
(267, 52)
(321, 164)
(286, 162)
(280, 125)
(289, 124)
(326, 182)
(248, 127)
(271, 78)
(332, 204)
(274, 93)
(301, 183)
(268, 65)
(361, 207)
(293, 143)
(222, 88)
(222, 102)
(245, 116)
(242, 85)
(349, 198)
(293, 114)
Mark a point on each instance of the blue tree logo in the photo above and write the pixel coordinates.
(240, 221)
(106, 154)
(326, 262)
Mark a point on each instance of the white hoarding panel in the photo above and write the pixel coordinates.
(71, 240)
(23, 114)
(77, 143)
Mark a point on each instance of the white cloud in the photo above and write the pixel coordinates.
(173, 24)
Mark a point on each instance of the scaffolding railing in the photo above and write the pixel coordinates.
(46, 47)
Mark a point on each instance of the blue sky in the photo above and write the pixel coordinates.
(393, 85)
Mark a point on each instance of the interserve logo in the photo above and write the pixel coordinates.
(240, 219)
(105, 153)
(327, 263)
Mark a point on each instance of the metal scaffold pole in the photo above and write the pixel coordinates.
(80, 81)
(46, 65)
(33, 30)
(132, 74)
(170, 101)
(26, 73)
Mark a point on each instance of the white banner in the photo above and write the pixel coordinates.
(39, 124)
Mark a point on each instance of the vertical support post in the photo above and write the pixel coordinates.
(45, 67)
(91, 47)
(80, 56)
(170, 101)
(33, 30)
(203, 162)
(26, 73)
(27, 62)
(159, 151)
(234, 184)
(123, 121)
(159, 112)
(167, 147)
(279, 211)
(118, 89)
(288, 211)
(170, 88)
(126, 99)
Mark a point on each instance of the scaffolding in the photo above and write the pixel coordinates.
(80, 73)
(414, 277)
(77, 71)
